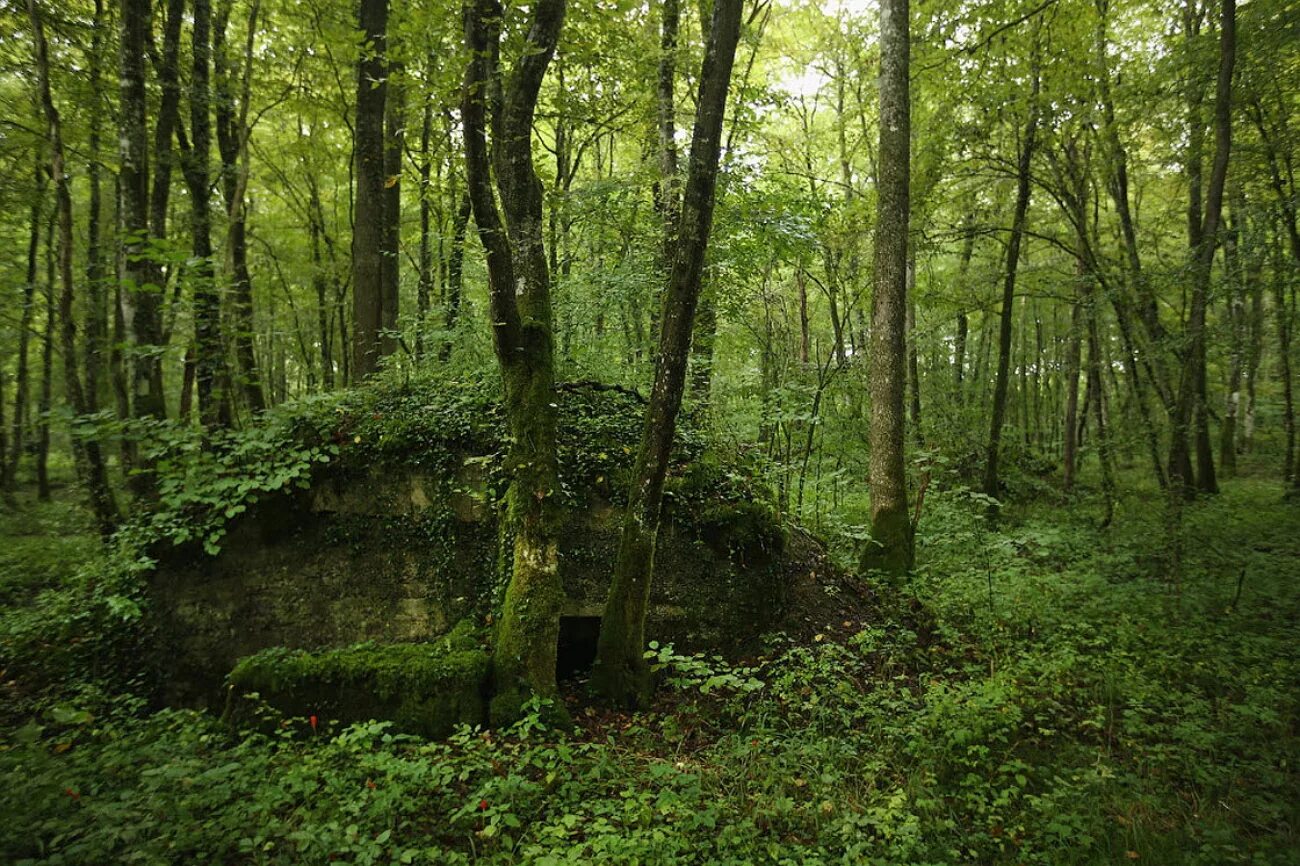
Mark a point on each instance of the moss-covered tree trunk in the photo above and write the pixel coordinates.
(891, 542)
(621, 673)
(520, 308)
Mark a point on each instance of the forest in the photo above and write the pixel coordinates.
(649, 432)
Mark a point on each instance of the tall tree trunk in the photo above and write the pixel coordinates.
(1095, 364)
(1282, 315)
(1203, 240)
(520, 308)
(427, 277)
(87, 456)
(1181, 482)
(96, 311)
(394, 137)
(892, 546)
(455, 273)
(621, 673)
(368, 236)
(46, 400)
(1118, 186)
(233, 133)
(913, 357)
(9, 476)
(991, 480)
(1070, 426)
(1234, 273)
(209, 348)
(963, 324)
(144, 279)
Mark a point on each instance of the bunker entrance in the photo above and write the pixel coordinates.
(576, 652)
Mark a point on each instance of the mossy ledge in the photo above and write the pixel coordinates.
(423, 688)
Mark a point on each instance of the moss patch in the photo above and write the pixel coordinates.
(423, 688)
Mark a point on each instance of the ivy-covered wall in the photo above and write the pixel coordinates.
(394, 537)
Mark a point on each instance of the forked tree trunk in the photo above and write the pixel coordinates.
(528, 630)
(621, 673)
(1181, 482)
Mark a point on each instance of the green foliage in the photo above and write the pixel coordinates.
(1088, 715)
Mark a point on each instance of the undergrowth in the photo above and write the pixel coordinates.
(1063, 706)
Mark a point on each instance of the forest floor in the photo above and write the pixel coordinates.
(1062, 704)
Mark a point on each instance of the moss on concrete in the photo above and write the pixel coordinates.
(424, 688)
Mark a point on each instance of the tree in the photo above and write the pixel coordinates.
(992, 484)
(89, 459)
(143, 278)
(214, 408)
(891, 546)
(621, 673)
(520, 308)
(369, 234)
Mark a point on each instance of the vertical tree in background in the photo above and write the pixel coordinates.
(208, 346)
(1181, 482)
(232, 143)
(1203, 241)
(368, 234)
(9, 470)
(394, 141)
(621, 673)
(1023, 180)
(86, 452)
(520, 308)
(891, 545)
(142, 288)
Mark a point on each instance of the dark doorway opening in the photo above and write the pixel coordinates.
(576, 652)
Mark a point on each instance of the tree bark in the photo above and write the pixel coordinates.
(1203, 240)
(46, 400)
(209, 348)
(394, 138)
(9, 478)
(144, 279)
(891, 546)
(96, 312)
(621, 673)
(232, 142)
(368, 236)
(520, 309)
(455, 274)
